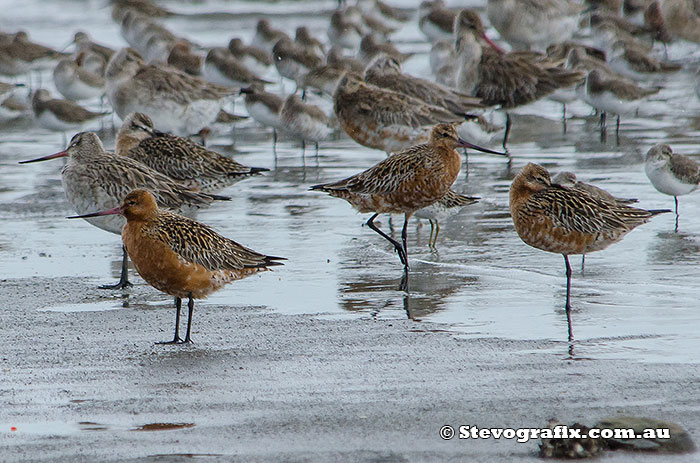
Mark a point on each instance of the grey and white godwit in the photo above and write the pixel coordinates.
(76, 83)
(180, 256)
(305, 121)
(442, 209)
(177, 102)
(255, 59)
(671, 173)
(498, 78)
(404, 182)
(177, 157)
(220, 67)
(568, 221)
(534, 24)
(60, 115)
(94, 179)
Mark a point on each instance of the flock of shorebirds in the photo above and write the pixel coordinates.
(167, 89)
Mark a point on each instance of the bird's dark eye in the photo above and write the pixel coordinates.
(132, 203)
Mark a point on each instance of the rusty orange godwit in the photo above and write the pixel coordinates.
(405, 181)
(180, 256)
(568, 221)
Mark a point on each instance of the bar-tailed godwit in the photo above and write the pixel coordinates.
(180, 256)
(568, 221)
(405, 182)
(498, 78)
(177, 102)
(177, 157)
(94, 179)
(671, 173)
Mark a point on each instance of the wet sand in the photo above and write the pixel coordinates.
(264, 386)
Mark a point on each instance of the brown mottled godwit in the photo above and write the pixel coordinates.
(671, 173)
(498, 78)
(94, 179)
(180, 256)
(177, 157)
(568, 221)
(404, 182)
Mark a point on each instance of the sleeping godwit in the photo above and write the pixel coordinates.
(83, 43)
(182, 58)
(435, 21)
(60, 115)
(445, 207)
(615, 96)
(180, 256)
(177, 157)
(385, 71)
(220, 67)
(20, 55)
(266, 36)
(569, 180)
(343, 32)
(294, 62)
(534, 24)
(305, 121)
(94, 179)
(383, 119)
(671, 173)
(264, 107)
(75, 82)
(370, 48)
(177, 102)
(255, 59)
(498, 78)
(405, 182)
(568, 221)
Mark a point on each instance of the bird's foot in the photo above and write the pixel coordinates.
(119, 285)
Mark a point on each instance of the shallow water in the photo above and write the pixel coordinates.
(637, 299)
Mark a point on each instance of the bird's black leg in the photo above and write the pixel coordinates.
(563, 118)
(568, 295)
(397, 245)
(190, 307)
(404, 235)
(176, 338)
(675, 199)
(124, 277)
(505, 135)
(617, 131)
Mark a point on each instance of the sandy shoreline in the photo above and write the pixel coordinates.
(269, 387)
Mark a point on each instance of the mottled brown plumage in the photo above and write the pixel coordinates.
(177, 157)
(404, 182)
(385, 72)
(180, 256)
(384, 119)
(567, 221)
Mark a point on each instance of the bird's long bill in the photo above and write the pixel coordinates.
(60, 154)
(493, 44)
(112, 211)
(466, 144)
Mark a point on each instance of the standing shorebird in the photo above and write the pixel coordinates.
(305, 121)
(405, 182)
(384, 119)
(264, 107)
(60, 115)
(177, 102)
(94, 179)
(671, 174)
(76, 83)
(180, 256)
(445, 207)
(177, 157)
(568, 221)
(498, 78)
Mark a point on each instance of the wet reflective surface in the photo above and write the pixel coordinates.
(637, 300)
